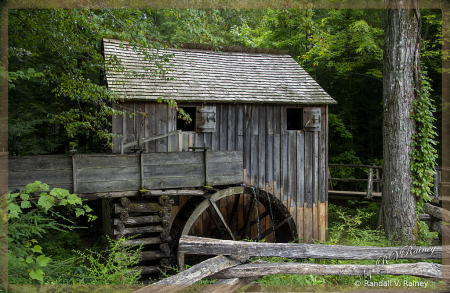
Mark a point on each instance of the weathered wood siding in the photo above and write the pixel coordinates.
(289, 164)
(112, 172)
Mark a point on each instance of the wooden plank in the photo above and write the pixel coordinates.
(140, 119)
(223, 169)
(231, 127)
(223, 126)
(308, 223)
(284, 155)
(207, 140)
(223, 180)
(323, 182)
(424, 270)
(277, 149)
(210, 246)
(322, 221)
(269, 145)
(230, 285)
(128, 124)
(185, 142)
(248, 141)
(108, 186)
(176, 182)
(51, 177)
(174, 170)
(300, 168)
(255, 145)
(36, 163)
(172, 141)
(108, 174)
(316, 183)
(150, 127)
(139, 230)
(193, 274)
(262, 147)
(292, 168)
(224, 157)
(300, 222)
(157, 159)
(309, 196)
(117, 128)
(240, 108)
(216, 134)
(111, 161)
(161, 126)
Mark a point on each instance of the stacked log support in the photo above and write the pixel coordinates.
(146, 221)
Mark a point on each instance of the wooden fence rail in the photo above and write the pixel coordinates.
(374, 183)
(232, 275)
(209, 246)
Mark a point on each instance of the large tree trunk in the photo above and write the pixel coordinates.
(400, 76)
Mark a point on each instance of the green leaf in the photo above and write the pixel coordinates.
(37, 248)
(73, 199)
(24, 196)
(59, 192)
(37, 275)
(46, 201)
(25, 204)
(29, 260)
(13, 210)
(79, 212)
(42, 260)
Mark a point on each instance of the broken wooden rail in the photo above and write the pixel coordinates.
(433, 217)
(228, 269)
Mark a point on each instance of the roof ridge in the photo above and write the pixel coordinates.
(209, 47)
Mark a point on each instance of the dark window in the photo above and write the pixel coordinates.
(294, 118)
(182, 124)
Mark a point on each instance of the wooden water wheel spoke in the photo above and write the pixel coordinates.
(247, 223)
(234, 213)
(213, 204)
(283, 229)
(210, 213)
(271, 229)
(256, 220)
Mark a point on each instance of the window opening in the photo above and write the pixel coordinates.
(294, 118)
(183, 125)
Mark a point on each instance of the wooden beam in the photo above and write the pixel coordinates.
(193, 274)
(354, 166)
(441, 229)
(421, 269)
(200, 245)
(231, 285)
(174, 192)
(437, 212)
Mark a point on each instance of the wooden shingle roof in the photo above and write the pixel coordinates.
(202, 75)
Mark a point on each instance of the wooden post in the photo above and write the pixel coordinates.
(377, 173)
(436, 185)
(370, 184)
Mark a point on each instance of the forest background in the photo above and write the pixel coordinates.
(56, 99)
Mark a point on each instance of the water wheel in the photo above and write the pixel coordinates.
(281, 228)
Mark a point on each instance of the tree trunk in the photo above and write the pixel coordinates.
(400, 76)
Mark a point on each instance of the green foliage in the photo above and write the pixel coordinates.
(339, 126)
(30, 215)
(56, 54)
(110, 266)
(173, 104)
(424, 154)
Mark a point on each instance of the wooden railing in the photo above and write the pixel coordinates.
(373, 183)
